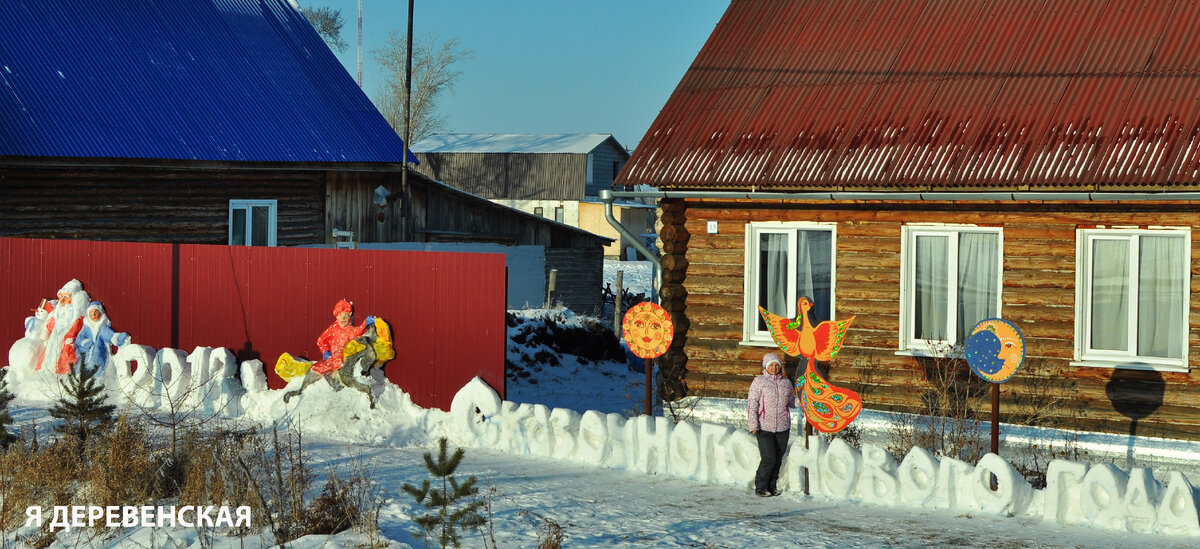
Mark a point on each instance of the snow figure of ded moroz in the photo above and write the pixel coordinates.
(96, 339)
(64, 324)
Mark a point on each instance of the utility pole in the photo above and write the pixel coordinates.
(406, 208)
(360, 43)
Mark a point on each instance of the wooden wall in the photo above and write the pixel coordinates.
(161, 201)
(1038, 294)
(580, 277)
(527, 176)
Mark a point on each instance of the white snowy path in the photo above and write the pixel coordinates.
(601, 508)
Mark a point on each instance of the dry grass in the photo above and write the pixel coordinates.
(129, 465)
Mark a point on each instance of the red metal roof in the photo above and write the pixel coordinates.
(935, 94)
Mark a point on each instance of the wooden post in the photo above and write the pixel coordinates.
(649, 368)
(996, 418)
(550, 287)
(618, 300)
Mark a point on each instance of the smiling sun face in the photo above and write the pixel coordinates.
(648, 330)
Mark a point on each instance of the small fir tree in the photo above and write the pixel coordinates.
(6, 419)
(83, 408)
(453, 506)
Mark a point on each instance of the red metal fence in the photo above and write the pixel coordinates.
(446, 309)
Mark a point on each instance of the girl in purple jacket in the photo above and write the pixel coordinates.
(769, 420)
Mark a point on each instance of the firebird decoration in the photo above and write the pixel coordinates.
(995, 350)
(648, 329)
(828, 408)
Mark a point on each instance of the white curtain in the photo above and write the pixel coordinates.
(1110, 295)
(978, 285)
(1161, 296)
(813, 271)
(772, 274)
(931, 288)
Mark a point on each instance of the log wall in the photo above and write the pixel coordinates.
(1038, 294)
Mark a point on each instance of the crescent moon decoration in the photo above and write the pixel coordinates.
(995, 350)
(648, 329)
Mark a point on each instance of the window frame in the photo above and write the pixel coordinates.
(909, 345)
(1084, 355)
(248, 205)
(750, 333)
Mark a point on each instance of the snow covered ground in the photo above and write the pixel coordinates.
(538, 464)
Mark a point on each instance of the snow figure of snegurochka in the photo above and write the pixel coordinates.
(64, 324)
(96, 339)
(23, 354)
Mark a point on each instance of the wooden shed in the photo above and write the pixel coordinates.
(925, 166)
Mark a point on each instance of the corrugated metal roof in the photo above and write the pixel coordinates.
(929, 94)
(569, 143)
(216, 80)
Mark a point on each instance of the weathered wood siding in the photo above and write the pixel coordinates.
(162, 201)
(580, 277)
(1038, 294)
(529, 176)
(607, 161)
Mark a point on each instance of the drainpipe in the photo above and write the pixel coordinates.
(606, 196)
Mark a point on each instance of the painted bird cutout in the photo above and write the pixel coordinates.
(828, 408)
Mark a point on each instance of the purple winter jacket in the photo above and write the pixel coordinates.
(768, 403)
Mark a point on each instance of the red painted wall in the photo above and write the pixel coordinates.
(446, 309)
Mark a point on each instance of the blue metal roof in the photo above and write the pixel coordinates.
(217, 80)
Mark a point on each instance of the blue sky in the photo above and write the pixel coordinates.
(567, 66)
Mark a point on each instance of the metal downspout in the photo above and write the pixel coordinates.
(606, 196)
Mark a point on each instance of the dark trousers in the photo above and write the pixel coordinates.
(771, 447)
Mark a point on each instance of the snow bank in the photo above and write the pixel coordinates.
(1101, 496)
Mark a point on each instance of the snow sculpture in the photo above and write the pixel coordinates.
(878, 481)
(918, 478)
(1012, 495)
(64, 324)
(349, 354)
(97, 339)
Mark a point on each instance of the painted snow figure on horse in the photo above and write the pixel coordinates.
(349, 353)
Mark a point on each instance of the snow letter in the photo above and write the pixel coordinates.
(839, 469)
(474, 404)
(800, 460)
(1142, 495)
(918, 478)
(653, 436)
(592, 440)
(954, 484)
(878, 483)
(712, 452)
(684, 453)
(1062, 492)
(1102, 496)
(1013, 493)
(1177, 513)
(564, 422)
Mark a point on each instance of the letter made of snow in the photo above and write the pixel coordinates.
(741, 458)
(254, 378)
(136, 385)
(918, 475)
(538, 435)
(1012, 495)
(1177, 512)
(800, 460)
(684, 453)
(474, 404)
(1142, 497)
(564, 423)
(1063, 480)
(592, 440)
(1102, 496)
(653, 437)
(712, 455)
(839, 469)
(877, 482)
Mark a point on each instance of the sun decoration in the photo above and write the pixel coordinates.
(648, 329)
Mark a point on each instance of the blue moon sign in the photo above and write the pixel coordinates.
(995, 350)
